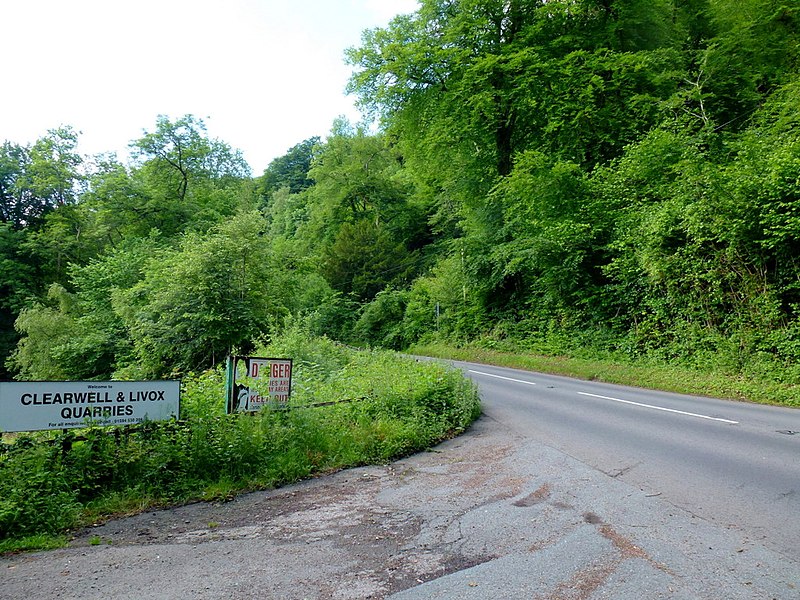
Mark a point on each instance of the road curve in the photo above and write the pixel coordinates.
(732, 463)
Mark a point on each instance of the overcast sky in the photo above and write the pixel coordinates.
(263, 74)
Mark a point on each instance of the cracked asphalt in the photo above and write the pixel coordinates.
(490, 514)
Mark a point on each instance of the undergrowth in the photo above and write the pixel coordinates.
(386, 406)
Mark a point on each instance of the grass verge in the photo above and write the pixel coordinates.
(649, 375)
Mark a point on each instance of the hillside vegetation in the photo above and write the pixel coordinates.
(565, 177)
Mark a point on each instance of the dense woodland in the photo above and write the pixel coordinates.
(615, 176)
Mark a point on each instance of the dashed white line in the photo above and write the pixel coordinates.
(501, 377)
(672, 410)
(662, 408)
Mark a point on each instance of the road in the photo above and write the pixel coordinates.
(562, 490)
(732, 463)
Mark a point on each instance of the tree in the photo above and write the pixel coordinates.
(195, 304)
(755, 49)
(363, 259)
(17, 284)
(765, 191)
(437, 79)
(36, 180)
(53, 173)
(358, 176)
(187, 179)
(119, 203)
(19, 207)
(545, 248)
(290, 170)
(467, 89)
(77, 335)
(466, 85)
(181, 152)
(364, 210)
(45, 328)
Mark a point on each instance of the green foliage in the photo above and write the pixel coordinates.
(290, 171)
(189, 180)
(543, 251)
(287, 213)
(198, 302)
(17, 283)
(381, 321)
(363, 211)
(121, 204)
(180, 153)
(79, 335)
(34, 502)
(565, 176)
(593, 365)
(35, 180)
(394, 406)
(18, 206)
(105, 344)
(363, 259)
(756, 49)
(45, 329)
(467, 86)
(357, 176)
(445, 303)
(333, 315)
(53, 172)
(33, 542)
(39, 186)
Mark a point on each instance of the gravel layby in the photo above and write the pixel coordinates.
(485, 515)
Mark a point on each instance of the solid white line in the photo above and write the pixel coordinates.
(501, 377)
(672, 410)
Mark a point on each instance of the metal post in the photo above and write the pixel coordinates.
(230, 378)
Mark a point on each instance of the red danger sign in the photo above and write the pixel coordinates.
(267, 381)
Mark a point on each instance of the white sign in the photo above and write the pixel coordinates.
(38, 405)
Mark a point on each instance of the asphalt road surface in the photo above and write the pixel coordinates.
(562, 490)
(732, 463)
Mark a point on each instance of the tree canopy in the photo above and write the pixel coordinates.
(560, 174)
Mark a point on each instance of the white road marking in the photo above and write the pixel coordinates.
(672, 410)
(501, 377)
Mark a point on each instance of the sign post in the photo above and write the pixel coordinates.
(230, 383)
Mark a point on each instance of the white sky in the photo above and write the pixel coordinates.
(264, 75)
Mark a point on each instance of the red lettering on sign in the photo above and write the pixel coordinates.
(280, 370)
